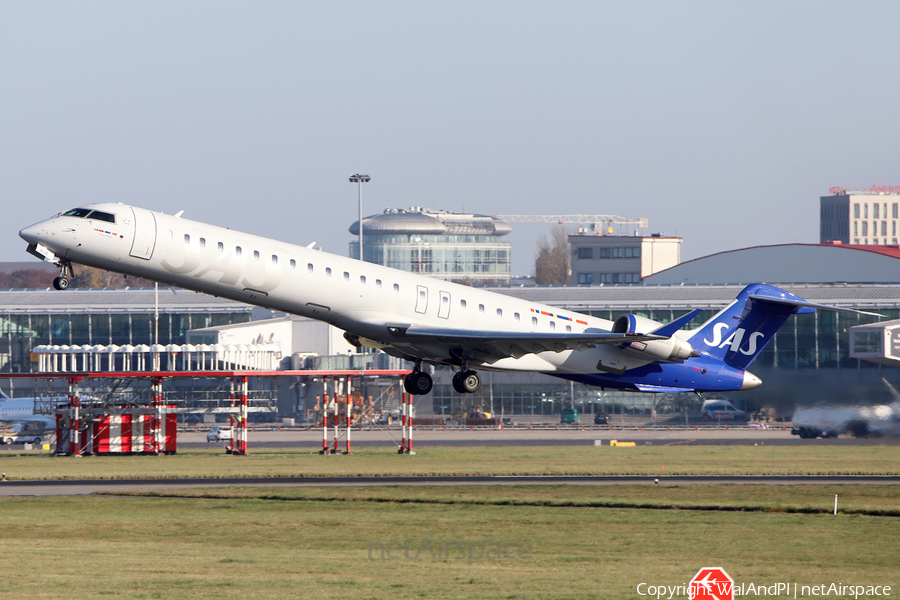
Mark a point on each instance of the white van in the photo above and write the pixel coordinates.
(23, 432)
(721, 410)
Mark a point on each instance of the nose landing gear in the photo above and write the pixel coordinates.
(65, 273)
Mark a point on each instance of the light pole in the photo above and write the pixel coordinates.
(359, 179)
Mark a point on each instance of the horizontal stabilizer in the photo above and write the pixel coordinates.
(670, 328)
(805, 304)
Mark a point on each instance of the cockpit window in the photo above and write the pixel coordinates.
(91, 214)
(102, 216)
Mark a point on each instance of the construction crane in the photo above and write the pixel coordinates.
(597, 224)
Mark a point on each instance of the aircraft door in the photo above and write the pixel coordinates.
(444, 308)
(144, 233)
(421, 299)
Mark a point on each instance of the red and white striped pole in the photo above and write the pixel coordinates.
(230, 449)
(74, 442)
(156, 384)
(409, 424)
(242, 444)
(338, 390)
(349, 412)
(324, 415)
(402, 422)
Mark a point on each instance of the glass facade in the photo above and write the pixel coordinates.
(477, 259)
(19, 333)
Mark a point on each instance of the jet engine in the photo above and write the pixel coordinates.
(670, 350)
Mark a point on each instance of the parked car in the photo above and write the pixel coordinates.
(219, 434)
(601, 419)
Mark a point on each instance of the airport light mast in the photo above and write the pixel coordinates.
(359, 180)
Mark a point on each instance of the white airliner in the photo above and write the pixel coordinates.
(22, 409)
(419, 318)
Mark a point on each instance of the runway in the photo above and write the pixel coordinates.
(84, 487)
(88, 486)
(275, 438)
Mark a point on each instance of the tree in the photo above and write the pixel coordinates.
(85, 277)
(551, 267)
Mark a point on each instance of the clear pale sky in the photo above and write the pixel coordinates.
(721, 122)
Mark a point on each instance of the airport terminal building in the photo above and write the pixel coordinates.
(813, 357)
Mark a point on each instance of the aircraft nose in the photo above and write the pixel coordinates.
(33, 234)
(751, 381)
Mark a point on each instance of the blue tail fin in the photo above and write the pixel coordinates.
(739, 332)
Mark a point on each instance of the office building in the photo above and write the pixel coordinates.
(621, 259)
(860, 217)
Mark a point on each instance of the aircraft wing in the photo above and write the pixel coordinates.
(515, 344)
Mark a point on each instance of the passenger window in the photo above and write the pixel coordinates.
(481, 308)
(309, 267)
(397, 287)
(293, 264)
(462, 303)
(362, 279)
(221, 246)
(170, 234)
(534, 321)
(203, 242)
(499, 312)
(187, 239)
(552, 325)
(328, 271)
(346, 276)
(568, 329)
(238, 251)
(516, 317)
(378, 283)
(256, 255)
(274, 260)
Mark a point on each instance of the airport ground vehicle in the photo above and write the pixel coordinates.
(569, 415)
(219, 434)
(600, 419)
(23, 432)
(721, 410)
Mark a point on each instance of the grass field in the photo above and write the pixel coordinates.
(395, 542)
(507, 460)
(240, 547)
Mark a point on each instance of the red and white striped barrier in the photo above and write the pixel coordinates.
(132, 434)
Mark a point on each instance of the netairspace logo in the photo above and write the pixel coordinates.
(449, 550)
(725, 589)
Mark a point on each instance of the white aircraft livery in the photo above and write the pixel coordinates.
(420, 318)
(22, 409)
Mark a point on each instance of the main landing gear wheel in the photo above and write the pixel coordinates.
(418, 383)
(467, 382)
(61, 283)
